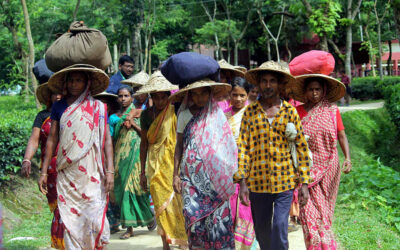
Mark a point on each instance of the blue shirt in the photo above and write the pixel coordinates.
(58, 109)
(115, 83)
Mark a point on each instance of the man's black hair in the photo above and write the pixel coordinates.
(124, 59)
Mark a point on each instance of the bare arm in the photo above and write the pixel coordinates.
(30, 151)
(144, 146)
(344, 145)
(177, 161)
(51, 145)
(109, 159)
(137, 129)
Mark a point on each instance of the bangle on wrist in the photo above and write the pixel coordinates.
(26, 160)
(109, 171)
(44, 174)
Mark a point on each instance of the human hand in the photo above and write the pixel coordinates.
(177, 184)
(26, 169)
(42, 182)
(143, 181)
(244, 193)
(303, 195)
(109, 184)
(346, 166)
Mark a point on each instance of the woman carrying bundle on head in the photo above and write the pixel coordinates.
(157, 158)
(205, 160)
(323, 124)
(85, 170)
(40, 133)
(129, 196)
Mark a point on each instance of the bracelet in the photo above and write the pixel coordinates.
(43, 174)
(109, 172)
(26, 160)
(347, 161)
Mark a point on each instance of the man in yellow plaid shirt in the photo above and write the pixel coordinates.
(266, 172)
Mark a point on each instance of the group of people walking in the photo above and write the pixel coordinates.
(219, 160)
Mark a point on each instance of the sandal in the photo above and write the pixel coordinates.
(126, 235)
(152, 226)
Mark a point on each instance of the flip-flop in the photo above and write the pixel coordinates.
(152, 226)
(126, 235)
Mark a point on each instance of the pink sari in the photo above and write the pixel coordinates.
(316, 217)
(82, 199)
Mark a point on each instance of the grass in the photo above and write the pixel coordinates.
(356, 101)
(371, 137)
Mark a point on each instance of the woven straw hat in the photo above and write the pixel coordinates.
(106, 94)
(243, 69)
(217, 87)
(156, 83)
(335, 88)
(224, 65)
(99, 79)
(271, 66)
(137, 80)
(43, 93)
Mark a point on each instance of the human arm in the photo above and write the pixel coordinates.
(137, 128)
(51, 144)
(344, 145)
(144, 145)
(109, 159)
(177, 160)
(31, 148)
(302, 159)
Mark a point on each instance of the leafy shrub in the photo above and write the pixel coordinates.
(392, 103)
(367, 88)
(15, 128)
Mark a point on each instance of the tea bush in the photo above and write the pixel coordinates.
(367, 88)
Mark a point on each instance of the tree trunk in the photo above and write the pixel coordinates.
(371, 56)
(141, 52)
(288, 50)
(269, 49)
(31, 49)
(217, 47)
(229, 50)
(128, 47)
(278, 58)
(349, 41)
(136, 47)
(236, 53)
(380, 51)
(78, 2)
(324, 43)
(116, 66)
(396, 16)
(26, 73)
(389, 61)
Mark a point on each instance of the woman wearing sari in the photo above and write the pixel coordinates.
(205, 160)
(85, 170)
(40, 133)
(241, 214)
(157, 155)
(323, 124)
(133, 201)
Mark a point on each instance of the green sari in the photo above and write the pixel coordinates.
(133, 201)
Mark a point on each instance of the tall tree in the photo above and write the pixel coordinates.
(31, 48)
(351, 12)
(212, 19)
(379, 26)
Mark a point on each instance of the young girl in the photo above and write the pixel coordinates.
(133, 201)
(157, 153)
(79, 126)
(205, 160)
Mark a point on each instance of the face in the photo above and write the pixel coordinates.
(55, 97)
(200, 96)
(225, 76)
(141, 98)
(238, 97)
(268, 86)
(314, 92)
(160, 100)
(126, 68)
(253, 94)
(76, 83)
(124, 98)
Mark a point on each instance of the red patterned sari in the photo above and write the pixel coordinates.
(82, 198)
(316, 217)
(57, 226)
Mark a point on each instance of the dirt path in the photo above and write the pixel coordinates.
(150, 240)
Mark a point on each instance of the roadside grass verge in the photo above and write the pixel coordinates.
(367, 214)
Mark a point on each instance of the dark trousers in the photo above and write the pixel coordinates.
(271, 234)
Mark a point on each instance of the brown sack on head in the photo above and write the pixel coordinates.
(80, 45)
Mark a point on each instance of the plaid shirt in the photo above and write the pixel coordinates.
(264, 155)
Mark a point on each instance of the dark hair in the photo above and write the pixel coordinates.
(124, 59)
(313, 79)
(128, 88)
(241, 83)
(168, 93)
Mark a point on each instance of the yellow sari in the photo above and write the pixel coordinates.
(160, 167)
